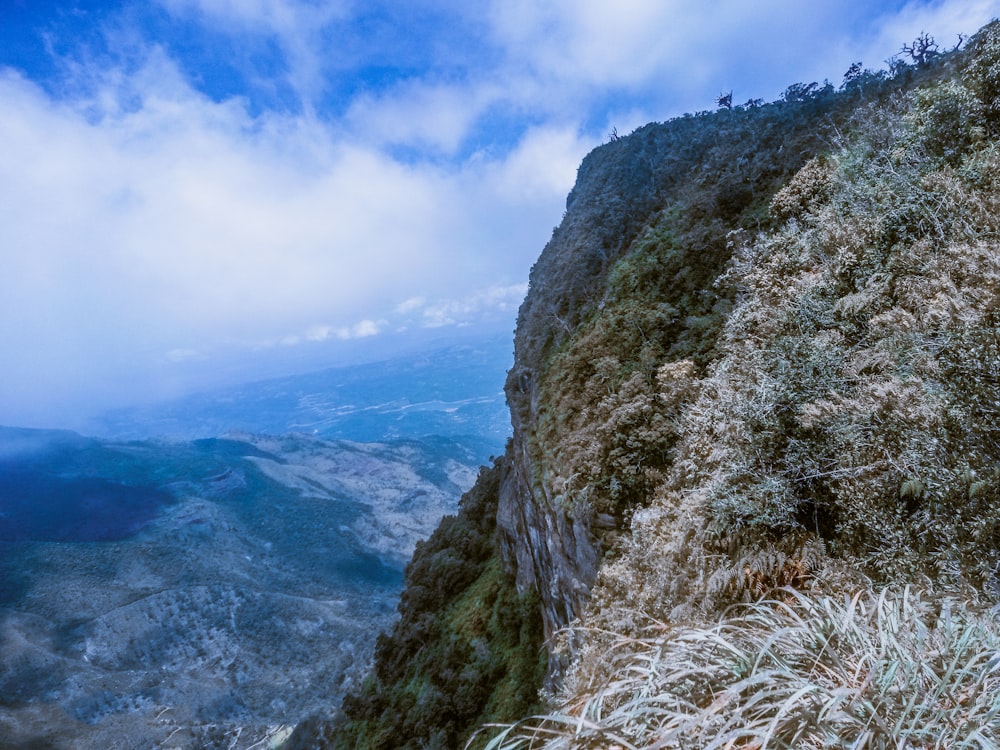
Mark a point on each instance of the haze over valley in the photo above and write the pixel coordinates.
(200, 591)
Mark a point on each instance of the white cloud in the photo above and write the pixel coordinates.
(361, 330)
(183, 211)
(470, 308)
(181, 225)
(944, 20)
(677, 56)
(409, 305)
(543, 163)
(295, 24)
(141, 222)
(319, 333)
(420, 114)
(597, 42)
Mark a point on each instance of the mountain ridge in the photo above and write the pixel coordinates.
(759, 353)
(449, 391)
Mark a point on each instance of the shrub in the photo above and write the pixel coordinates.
(983, 72)
(947, 120)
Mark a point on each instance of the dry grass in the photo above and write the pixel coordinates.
(872, 671)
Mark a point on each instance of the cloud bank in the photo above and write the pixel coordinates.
(203, 186)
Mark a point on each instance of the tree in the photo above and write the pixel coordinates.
(800, 92)
(922, 49)
(853, 74)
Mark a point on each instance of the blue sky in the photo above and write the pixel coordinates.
(203, 191)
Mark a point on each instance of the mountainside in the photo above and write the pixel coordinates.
(758, 360)
(200, 594)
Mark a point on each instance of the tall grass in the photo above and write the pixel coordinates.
(872, 671)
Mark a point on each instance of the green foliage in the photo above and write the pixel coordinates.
(869, 672)
(804, 92)
(808, 188)
(466, 650)
(697, 177)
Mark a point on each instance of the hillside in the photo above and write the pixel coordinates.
(751, 499)
(200, 594)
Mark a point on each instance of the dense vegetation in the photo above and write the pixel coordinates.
(612, 388)
(832, 427)
(761, 356)
(466, 650)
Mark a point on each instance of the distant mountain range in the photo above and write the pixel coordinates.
(454, 392)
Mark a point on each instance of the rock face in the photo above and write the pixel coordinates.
(618, 188)
(550, 550)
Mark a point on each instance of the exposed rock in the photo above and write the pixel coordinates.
(617, 189)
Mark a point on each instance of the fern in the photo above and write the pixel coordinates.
(758, 573)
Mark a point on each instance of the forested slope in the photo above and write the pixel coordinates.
(759, 361)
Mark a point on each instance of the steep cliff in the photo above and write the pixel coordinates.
(810, 428)
(759, 353)
(696, 179)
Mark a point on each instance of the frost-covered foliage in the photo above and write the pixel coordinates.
(855, 400)
(611, 390)
(865, 672)
(838, 428)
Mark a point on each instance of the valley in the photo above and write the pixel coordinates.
(454, 391)
(210, 592)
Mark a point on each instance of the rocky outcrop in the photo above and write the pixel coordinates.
(619, 186)
(711, 171)
(550, 550)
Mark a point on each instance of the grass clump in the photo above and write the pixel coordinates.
(895, 669)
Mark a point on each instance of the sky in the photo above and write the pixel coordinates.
(201, 192)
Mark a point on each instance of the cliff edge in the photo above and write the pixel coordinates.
(757, 361)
